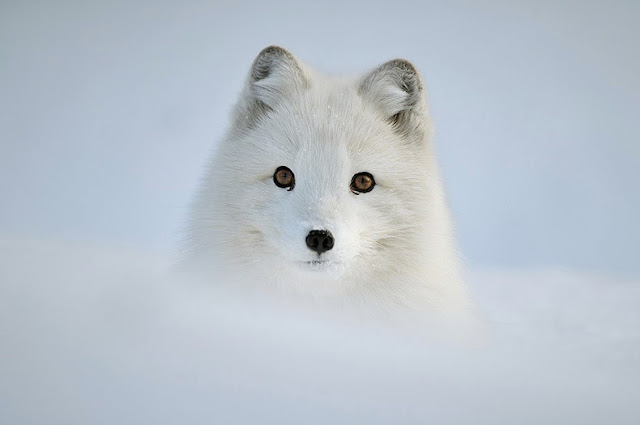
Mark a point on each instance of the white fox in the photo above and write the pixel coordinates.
(329, 186)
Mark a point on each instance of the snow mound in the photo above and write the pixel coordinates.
(104, 336)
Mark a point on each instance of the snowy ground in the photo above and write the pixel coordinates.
(102, 336)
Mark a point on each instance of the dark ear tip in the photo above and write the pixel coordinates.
(407, 73)
(403, 65)
(273, 50)
(263, 62)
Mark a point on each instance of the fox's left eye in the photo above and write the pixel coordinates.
(284, 178)
(362, 183)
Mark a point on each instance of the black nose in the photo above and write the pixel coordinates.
(320, 240)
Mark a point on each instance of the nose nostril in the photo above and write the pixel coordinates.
(320, 240)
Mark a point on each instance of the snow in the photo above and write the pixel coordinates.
(96, 334)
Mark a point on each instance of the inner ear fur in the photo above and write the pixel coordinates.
(275, 74)
(396, 89)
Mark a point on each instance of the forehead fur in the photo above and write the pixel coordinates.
(324, 120)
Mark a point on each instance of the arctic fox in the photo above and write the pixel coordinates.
(329, 186)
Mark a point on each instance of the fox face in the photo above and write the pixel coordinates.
(328, 186)
(319, 175)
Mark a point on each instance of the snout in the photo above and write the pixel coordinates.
(320, 241)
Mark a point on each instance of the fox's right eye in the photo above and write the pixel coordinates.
(284, 178)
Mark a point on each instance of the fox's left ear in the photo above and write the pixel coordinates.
(396, 88)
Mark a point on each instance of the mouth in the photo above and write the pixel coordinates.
(317, 264)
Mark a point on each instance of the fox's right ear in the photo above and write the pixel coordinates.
(274, 75)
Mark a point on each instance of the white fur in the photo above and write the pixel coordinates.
(394, 246)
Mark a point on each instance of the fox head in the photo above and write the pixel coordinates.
(323, 177)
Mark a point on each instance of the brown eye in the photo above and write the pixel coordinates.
(283, 177)
(362, 183)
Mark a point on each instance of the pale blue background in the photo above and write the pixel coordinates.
(108, 112)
